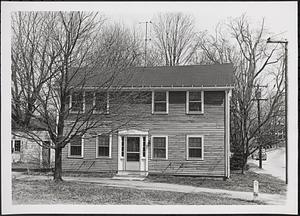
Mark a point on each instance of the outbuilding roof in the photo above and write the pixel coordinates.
(216, 75)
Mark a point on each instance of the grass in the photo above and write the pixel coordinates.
(237, 182)
(50, 192)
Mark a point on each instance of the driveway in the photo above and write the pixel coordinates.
(274, 165)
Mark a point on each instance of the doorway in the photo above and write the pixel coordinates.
(133, 154)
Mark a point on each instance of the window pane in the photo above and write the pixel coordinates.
(103, 140)
(195, 96)
(101, 101)
(103, 151)
(75, 143)
(89, 96)
(76, 150)
(17, 145)
(160, 107)
(195, 106)
(195, 153)
(133, 156)
(160, 96)
(159, 142)
(133, 144)
(144, 146)
(122, 151)
(195, 142)
(159, 153)
(77, 101)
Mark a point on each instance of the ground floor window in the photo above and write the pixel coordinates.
(103, 145)
(194, 147)
(159, 147)
(76, 146)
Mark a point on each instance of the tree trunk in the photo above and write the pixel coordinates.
(58, 165)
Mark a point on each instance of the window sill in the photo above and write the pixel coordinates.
(75, 157)
(160, 113)
(102, 113)
(195, 159)
(76, 112)
(103, 157)
(195, 113)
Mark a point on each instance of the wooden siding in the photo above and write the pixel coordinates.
(176, 125)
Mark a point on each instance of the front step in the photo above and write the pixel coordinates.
(130, 175)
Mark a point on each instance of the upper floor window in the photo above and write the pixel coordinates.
(194, 102)
(103, 146)
(160, 102)
(76, 146)
(77, 101)
(159, 147)
(194, 147)
(16, 145)
(101, 102)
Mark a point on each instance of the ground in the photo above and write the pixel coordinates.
(159, 190)
(49, 192)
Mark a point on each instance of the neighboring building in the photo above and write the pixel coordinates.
(26, 153)
(184, 131)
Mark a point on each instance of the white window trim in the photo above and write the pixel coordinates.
(107, 104)
(167, 145)
(187, 147)
(167, 99)
(70, 104)
(110, 145)
(188, 101)
(14, 145)
(82, 149)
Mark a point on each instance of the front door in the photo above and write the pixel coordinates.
(133, 153)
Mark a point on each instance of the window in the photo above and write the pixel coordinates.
(101, 102)
(76, 146)
(194, 147)
(88, 101)
(77, 102)
(194, 102)
(103, 146)
(160, 102)
(16, 145)
(159, 147)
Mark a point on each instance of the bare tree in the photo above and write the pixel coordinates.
(239, 43)
(174, 38)
(72, 42)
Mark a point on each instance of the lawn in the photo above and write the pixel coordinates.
(237, 182)
(49, 192)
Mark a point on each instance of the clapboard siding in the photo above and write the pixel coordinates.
(176, 125)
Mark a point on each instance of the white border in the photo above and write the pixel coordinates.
(167, 146)
(82, 150)
(188, 101)
(202, 147)
(109, 145)
(167, 99)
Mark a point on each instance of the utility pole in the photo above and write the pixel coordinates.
(285, 42)
(146, 39)
(258, 98)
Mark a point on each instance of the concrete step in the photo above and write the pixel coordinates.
(130, 178)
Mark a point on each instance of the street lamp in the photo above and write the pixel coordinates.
(286, 96)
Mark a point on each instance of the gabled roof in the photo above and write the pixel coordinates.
(217, 75)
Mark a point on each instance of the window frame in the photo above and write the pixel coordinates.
(71, 101)
(167, 103)
(188, 103)
(152, 147)
(109, 146)
(14, 145)
(82, 149)
(202, 147)
(107, 104)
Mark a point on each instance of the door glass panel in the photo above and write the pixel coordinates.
(133, 156)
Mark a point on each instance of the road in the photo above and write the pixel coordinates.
(274, 165)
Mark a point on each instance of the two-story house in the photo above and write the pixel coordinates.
(184, 129)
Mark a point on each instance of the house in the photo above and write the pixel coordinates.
(26, 153)
(184, 130)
